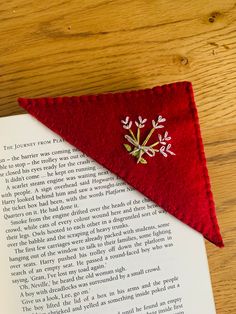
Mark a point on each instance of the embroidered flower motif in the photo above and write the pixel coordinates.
(141, 122)
(138, 149)
(166, 149)
(163, 139)
(126, 123)
(156, 125)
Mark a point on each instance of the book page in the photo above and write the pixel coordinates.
(77, 239)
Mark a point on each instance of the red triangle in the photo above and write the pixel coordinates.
(178, 183)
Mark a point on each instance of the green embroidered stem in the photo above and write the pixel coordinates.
(154, 144)
(145, 142)
(132, 134)
(134, 138)
(148, 136)
(140, 156)
(138, 135)
(141, 153)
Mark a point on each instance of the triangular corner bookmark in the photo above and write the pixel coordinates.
(150, 138)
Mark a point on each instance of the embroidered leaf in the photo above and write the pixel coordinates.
(128, 147)
(135, 154)
(143, 161)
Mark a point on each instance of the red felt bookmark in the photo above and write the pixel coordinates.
(150, 138)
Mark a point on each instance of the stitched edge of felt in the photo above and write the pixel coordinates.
(202, 156)
(214, 238)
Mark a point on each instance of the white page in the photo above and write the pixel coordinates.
(164, 272)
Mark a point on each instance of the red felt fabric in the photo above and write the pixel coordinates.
(179, 184)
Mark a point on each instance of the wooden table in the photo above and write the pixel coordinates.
(52, 48)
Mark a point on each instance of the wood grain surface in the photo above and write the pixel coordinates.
(69, 47)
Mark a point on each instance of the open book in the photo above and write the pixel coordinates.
(77, 239)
